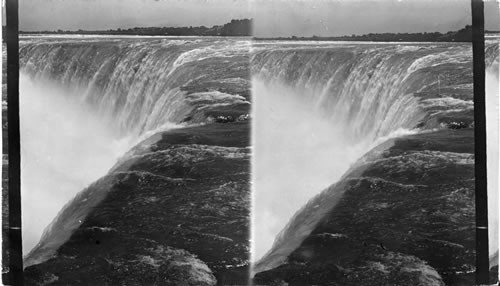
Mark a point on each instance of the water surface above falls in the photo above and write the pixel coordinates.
(138, 83)
(85, 101)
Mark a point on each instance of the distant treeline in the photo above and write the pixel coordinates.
(241, 27)
(463, 35)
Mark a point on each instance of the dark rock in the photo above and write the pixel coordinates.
(406, 217)
(175, 211)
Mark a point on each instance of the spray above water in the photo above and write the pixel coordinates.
(298, 152)
(65, 146)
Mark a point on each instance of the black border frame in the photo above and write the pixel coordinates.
(14, 276)
(481, 191)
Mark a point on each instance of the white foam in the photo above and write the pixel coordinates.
(64, 148)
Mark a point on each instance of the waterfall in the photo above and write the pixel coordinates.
(319, 107)
(135, 85)
(85, 101)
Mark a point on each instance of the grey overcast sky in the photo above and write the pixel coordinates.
(271, 17)
(106, 14)
(346, 17)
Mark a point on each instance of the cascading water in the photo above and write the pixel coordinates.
(320, 106)
(85, 101)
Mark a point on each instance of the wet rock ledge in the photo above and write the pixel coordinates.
(406, 217)
(174, 211)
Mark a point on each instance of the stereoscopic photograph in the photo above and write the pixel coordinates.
(135, 144)
(253, 142)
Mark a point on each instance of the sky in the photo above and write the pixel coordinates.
(112, 14)
(271, 17)
(346, 17)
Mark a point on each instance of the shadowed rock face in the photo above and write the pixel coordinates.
(174, 212)
(406, 217)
